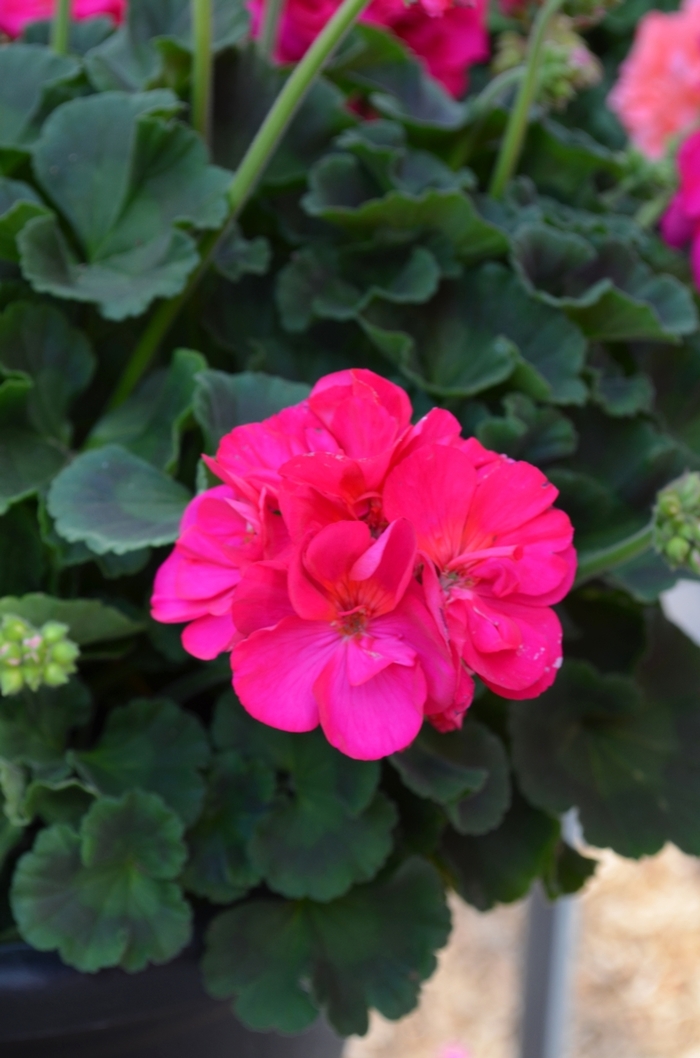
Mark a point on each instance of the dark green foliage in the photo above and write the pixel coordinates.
(552, 324)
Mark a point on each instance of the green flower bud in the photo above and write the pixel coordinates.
(31, 657)
(677, 522)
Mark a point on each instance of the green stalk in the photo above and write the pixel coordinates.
(202, 67)
(593, 563)
(243, 185)
(270, 28)
(60, 28)
(512, 143)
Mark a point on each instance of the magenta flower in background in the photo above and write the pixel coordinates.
(361, 570)
(680, 225)
(449, 36)
(16, 14)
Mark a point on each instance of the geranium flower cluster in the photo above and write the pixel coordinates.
(449, 36)
(680, 225)
(362, 569)
(16, 14)
(657, 96)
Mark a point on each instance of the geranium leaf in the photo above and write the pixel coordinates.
(88, 620)
(83, 34)
(538, 435)
(465, 771)
(27, 461)
(23, 564)
(34, 731)
(105, 895)
(238, 791)
(646, 577)
(113, 501)
(319, 282)
(132, 58)
(328, 829)
(567, 872)
(10, 834)
(500, 867)
(124, 179)
(370, 948)
(19, 203)
(223, 401)
(237, 256)
(27, 72)
(151, 422)
(38, 341)
(622, 751)
(154, 745)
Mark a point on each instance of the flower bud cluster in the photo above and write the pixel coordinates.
(567, 66)
(677, 522)
(33, 657)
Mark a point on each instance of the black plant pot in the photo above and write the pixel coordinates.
(48, 1010)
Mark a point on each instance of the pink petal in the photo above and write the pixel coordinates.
(209, 636)
(677, 228)
(275, 669)
(374, 719)
(330, 555)
(386, 568)
(368, 655)
(433, 489)
(261, 600)
(507, 497)
(166, 604)
(392, 397)
(538, 654)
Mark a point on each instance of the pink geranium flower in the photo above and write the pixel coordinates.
(358, 651)
(448, 35)
(361, 569)
(657, 96)
(680, 224)
(16, 14)
(496, 557)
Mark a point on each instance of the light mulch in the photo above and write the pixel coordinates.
(637, 987)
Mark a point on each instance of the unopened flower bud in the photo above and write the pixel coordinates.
(677, 522)
(34, 657)
(566, 67)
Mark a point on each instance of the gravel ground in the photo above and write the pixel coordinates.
(637, 987)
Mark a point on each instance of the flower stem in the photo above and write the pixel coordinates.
(512, 143)
(593, 563)
(270, 27)
(60, 28)
(202, 67)
(245, 181)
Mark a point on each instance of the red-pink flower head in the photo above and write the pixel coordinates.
(16, 14)
(449, 36)
(358, 651)
(496, 557)
(657, 96)
(680, 224)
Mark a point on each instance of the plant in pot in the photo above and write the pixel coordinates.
(363, 344)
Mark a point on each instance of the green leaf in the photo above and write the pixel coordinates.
(538, 435)
(88, 620)
(124, 178)
(134, 57)
(622, 751)
(620, 394)
(646, 577)
(38, 342)
(327, 831)
(500, 867)
(19, 203)
(113, 501)
(323, 283)
(465, 771)
(238, 792)
(83, 34)
(370, 948)
(237, 256)
(477, 333)
(563, 161)
(105, 896)
(154, 745)
(23, 560)
(10, 834)
(151, 422)
(34, 729)
(343, 194)
(567, 872)
(27, 461)
(223, 401)
(676, 378)
(609, 293)
(28, 72)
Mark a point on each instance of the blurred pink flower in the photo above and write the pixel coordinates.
(680, 224)
(448, 35)
(455, 1050)
(16, 14)
(657, 96)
